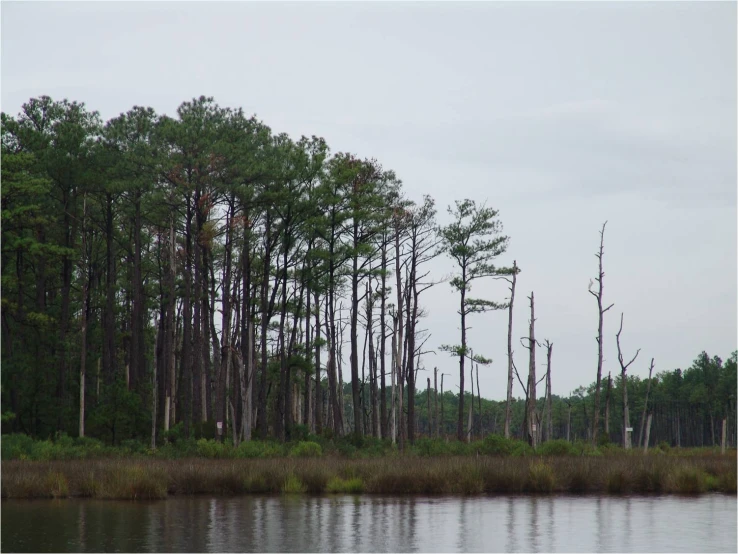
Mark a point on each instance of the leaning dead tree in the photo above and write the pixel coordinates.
(645, 405)
(601, 312)
(623, 369)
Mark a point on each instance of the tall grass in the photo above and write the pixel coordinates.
(152, 478)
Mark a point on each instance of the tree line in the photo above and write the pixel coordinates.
(203, 271)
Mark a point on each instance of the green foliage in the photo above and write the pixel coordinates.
(556, 448)
(497, 445)
(306, 450)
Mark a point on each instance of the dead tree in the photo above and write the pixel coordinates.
(645, 405)
(531, 416)
(601, 312)
(512, 279)
(607, 405)
(623, 369)
(548, 416)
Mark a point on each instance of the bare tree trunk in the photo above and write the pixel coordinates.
(648, 433)
(549, 416)
(443, 430)
(469, 422)
(568, 423)
(623, 369)
(479, 404)
(430, 418)
(435, 402)
(645, 405)
(382, 346)
(723, 435)
(601, 312)
(532, 427)
(607, 406)
(508, 403)
(83, 338)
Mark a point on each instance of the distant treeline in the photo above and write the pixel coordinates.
(204, 273)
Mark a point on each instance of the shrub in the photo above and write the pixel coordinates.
(540, 478)
(558, 447)
(16, 446)
(293, 485)
(306, 450)
(496, 445)
(350, 486)
(214, 449)
(430, 447)
(299, 433)
(258, 449)
(521, 449)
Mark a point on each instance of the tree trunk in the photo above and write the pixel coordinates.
(462, 356)
(648, 433)
(508, 403)
(382, 345)
(83, 338)
(532, 428)
(549, 415)
(607, 406)
(601, 313)
(645, 405)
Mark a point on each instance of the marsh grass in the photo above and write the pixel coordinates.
(152, 478)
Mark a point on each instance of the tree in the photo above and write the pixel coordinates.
(624, 380)
(512, 280)
(473, 240)
(601, 312)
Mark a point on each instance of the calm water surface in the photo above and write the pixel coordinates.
(373, 524)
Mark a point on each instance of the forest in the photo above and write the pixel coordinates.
(204, 276)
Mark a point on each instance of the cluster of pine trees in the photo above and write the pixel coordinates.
(203, 271)
(201, 268)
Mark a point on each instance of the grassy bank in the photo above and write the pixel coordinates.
(151, 478)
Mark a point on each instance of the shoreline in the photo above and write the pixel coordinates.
(147, 479)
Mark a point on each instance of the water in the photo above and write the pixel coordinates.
(373, 524)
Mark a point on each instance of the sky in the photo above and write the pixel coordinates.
(560, 115)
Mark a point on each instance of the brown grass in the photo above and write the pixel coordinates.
(150, 479)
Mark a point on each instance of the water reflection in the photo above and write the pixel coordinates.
(366, 523)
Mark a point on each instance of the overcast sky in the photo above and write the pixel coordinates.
(559, 115)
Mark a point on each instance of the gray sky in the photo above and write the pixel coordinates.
(560, 115)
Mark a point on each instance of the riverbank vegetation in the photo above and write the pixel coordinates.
(152, 479)
(167, 279)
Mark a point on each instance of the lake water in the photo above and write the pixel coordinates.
(373, 524)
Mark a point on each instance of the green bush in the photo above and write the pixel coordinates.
(430, 447)
(497, 445)
(306, 450)
(521, 449)
(214, 449)
(16, 447)
(558, 447)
